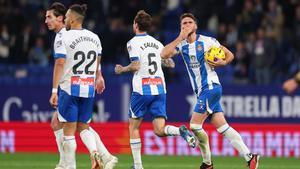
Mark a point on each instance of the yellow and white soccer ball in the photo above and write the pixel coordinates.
(214, 54)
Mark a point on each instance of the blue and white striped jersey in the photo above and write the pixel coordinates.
(202, 76)
(149, 79)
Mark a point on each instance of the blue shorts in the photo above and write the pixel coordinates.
(154, 104)
(209, 100)
(74, 109)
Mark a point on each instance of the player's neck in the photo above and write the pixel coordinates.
(191, 38)
(59, 28)
(140, 33)
(77, 26)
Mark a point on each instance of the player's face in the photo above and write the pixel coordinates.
(51, 20)
(189, 23)
(68, 20)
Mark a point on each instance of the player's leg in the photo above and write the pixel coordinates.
(58, 132)
(201, 112)
(219, 121)
(85, 111)
(68, 115)
(135, 142)
(69, 144)
(157, 108)
(109, 161)
(196, 126)
(137, 109)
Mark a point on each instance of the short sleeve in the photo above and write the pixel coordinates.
(59, 47)
(213, 42)
(133, 51)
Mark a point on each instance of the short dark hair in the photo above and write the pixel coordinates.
(79, 9)
(58, 9)
(190, 15)
(143, 20)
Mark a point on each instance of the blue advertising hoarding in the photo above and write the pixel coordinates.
(253, 104)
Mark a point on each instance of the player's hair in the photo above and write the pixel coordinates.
(79, 9)
(58, 9)
(143, 20)
(190, 15)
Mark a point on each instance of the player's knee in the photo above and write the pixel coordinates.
(159, 132)
(195, 127)
(55, 125)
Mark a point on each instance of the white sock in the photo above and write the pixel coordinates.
(171, 130)
(236, 140)
(135, 145)
(104, 153)
(88, 139)
(69, 146)
(59, 134)
(203, 142)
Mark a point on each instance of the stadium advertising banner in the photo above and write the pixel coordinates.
(250, 104)
(276, 140)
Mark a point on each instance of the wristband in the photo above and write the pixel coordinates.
(54, 90)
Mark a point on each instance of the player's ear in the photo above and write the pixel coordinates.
(60, 18)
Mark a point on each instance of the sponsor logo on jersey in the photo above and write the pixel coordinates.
(76, 80)
(152, 81)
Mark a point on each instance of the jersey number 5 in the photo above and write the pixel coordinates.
(152, 63)
(91, 55)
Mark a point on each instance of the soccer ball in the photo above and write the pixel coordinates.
(214, 54)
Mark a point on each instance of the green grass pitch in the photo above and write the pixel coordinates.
(48, 161)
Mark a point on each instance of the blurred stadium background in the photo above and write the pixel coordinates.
(264, 35)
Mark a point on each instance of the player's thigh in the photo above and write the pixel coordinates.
(218, 119)
(67, 107)
(198, 118)
(138, 105)
(157, 108)
(85, 110)
(55, 124)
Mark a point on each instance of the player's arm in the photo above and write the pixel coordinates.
(60, 58)
(132, 67)
(57, 73)
(170, 49)
(168, 63)
(100, 83)
(134, 55)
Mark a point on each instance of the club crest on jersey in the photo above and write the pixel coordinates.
(199, 47)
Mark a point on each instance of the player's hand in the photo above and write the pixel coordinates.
(100, 85)
(290, 86)
(217, 63)
(54, 100)
(185, 31)
(168, 63)
(118, 69)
